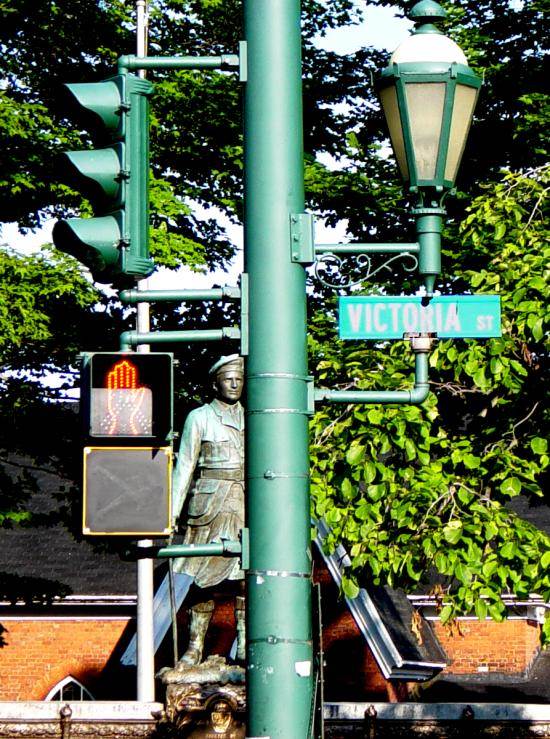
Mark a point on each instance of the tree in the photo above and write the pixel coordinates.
(421, 491)
(408, 490)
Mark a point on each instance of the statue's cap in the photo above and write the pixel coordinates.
(227, 363)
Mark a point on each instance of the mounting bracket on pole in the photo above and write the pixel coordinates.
(302, 242)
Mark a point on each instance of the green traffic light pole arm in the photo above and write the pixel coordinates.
(415, 396)
(225, 548)
(130, 62)
(152, 296)
(128, 339)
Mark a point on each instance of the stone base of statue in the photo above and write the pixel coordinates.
(206, 700)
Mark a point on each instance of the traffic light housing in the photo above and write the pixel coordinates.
(126, 401)
(114, 244)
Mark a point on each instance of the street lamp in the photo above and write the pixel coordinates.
(428, 94)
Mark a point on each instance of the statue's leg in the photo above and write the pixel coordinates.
(201, 613)
(241, 630)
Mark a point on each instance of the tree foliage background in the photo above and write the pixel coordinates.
(421, 497)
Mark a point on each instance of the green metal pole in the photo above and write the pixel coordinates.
(429, 224)
(279, 659)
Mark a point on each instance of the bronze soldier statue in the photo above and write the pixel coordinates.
(208, 492)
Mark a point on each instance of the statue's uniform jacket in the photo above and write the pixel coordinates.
(208, 488)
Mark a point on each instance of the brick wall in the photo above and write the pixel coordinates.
(351, 672)
(37, 654)
(485, 646)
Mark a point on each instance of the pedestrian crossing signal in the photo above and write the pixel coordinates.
(127, 398)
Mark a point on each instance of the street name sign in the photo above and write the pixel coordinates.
(448, 316)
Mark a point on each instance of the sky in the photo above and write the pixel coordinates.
(380, 28)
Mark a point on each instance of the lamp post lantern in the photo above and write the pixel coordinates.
(428, 94)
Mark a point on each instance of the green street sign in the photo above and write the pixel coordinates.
(448, 316)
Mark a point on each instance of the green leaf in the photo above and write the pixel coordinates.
(539, 445)
(481, 609)
(369, 472)
(511, 486)
(350, 587)
(375, 416)
(491, 530)
(500, 230)
(355, 454)
(508, 551)
(489, 568)
(348, 489)
(471, 461)
(452, 532)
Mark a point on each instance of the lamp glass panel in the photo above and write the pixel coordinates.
(463, 109)
(425, 102)
(388, 98)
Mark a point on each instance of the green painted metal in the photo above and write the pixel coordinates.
(301, 238)
(415, 396)
(97, 104)
(97, 172)
(93, 241)
(429, 224)
(153, 296)
(129, 339)
(115, 243)
(407, 248)
(225, 61)
(226, 548)
(424, 12)
(280, 655)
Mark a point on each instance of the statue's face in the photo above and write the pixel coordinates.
(229, 386)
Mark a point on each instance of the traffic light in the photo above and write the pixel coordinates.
(126, 403)
(114, 244)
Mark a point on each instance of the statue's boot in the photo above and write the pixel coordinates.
(201, 614)
(240, 656)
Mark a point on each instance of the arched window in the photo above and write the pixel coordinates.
(69, 689)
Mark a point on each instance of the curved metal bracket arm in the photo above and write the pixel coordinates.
(414, 396)
(128, 339)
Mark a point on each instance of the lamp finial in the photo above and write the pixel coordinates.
(425, 14)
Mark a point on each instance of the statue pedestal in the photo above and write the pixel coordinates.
(206, 700)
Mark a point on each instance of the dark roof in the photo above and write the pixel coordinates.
(534, 510)
(46, 557)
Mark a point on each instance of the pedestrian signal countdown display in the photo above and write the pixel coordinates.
(129, 397)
